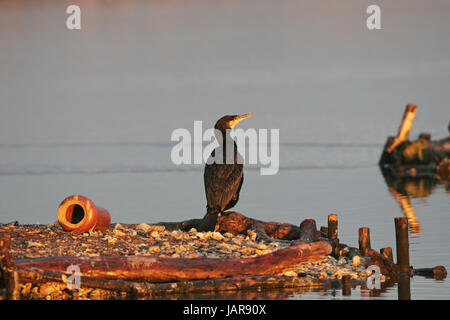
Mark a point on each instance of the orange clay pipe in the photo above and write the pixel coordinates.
(78, 213)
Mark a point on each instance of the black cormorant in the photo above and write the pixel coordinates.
(223, 180)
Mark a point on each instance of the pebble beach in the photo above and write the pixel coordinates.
(44, 240)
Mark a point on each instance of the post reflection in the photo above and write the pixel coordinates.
(404, 287)
(404, 189)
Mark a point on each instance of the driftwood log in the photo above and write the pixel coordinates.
(236, 223)
(163, 269)
(188, 286)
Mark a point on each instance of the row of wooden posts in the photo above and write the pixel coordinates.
(401, 237)
(402, 245)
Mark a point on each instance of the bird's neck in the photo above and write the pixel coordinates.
(227, 145)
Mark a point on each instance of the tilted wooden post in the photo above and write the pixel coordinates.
(364, 240)
(401, 237)
(405, 127)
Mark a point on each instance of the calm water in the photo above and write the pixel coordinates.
(91, 112)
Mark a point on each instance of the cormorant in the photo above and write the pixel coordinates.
(222, 181)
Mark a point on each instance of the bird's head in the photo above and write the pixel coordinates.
(229, 122)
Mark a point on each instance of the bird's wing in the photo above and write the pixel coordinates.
(222, 184)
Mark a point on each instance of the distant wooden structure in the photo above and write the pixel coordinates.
(391, 161)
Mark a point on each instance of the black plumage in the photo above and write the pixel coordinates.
(223, 181)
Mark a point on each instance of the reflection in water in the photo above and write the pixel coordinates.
(251, 294)
(405, 188)
(332, 289)
(404, 287)
(408, 210)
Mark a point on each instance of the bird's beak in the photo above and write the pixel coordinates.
(238, 119)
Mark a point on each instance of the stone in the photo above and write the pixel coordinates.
(251, 234)
(332, 259)
(290, 274)
(143, 226)
(112, 241)
(48, 288)
(153, 234)
(154, 249)
(273, 244)
(133, 233)
(200, 235)
(217, 236)
(338, 274)
(32, 244)
(158, 228)
(119, 233)
(237, 241)
(259, 252)
(356, 261)
(176, 234)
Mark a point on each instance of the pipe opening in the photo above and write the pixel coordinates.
(75, 213)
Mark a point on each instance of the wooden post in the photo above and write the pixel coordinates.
(364, 240)
(387, 253)
(9, 277)
(333, 227)
(405, 127)
(404, 287)
(401, 237)
(346, 287)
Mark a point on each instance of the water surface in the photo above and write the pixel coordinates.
(91, 112)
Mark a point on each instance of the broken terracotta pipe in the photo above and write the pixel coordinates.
(80, 214)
